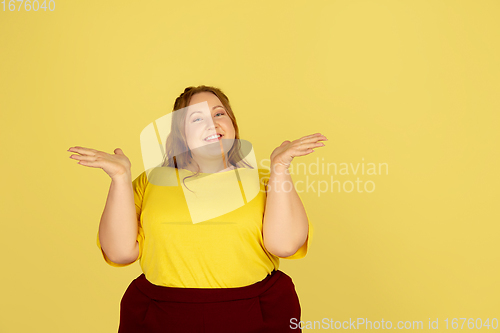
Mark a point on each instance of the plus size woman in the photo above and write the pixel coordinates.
(207, 226)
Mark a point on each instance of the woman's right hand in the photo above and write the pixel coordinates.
(115, 165)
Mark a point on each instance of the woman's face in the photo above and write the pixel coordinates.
(204, 126)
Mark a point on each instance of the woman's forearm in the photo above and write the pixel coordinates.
(118, 227)
(285, 226)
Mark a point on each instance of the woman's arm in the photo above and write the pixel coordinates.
(118, 227)
(286, 226)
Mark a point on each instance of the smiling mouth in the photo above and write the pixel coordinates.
(214, 138)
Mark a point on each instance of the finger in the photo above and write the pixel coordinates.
(83, 150)
(314, 138)
(314, 145)
(309, 145)
(304, 152)
(92, 164)
(84, 157)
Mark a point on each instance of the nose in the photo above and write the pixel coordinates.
(212, 123)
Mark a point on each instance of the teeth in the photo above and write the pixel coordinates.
(215, 136)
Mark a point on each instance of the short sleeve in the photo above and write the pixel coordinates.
(139, 186)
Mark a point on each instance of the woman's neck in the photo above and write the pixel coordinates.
(211, 166)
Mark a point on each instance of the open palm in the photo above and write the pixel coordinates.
(283, 155)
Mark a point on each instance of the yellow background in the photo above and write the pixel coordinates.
(413, 84)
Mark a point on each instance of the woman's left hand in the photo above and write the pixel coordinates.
(283, 155)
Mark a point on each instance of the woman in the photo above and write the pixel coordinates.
(219, 274)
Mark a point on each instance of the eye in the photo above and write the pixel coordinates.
(220, 113)
(196, 119)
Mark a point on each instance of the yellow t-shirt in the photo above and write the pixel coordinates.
(226, 251)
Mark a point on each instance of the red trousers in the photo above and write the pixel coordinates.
(266, 306)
